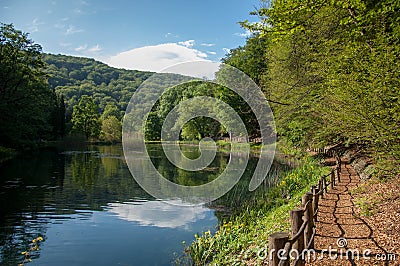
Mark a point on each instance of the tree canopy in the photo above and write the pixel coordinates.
(29, 108)
(76, 76)
(85, 117)
(332, 72)
(200, 126)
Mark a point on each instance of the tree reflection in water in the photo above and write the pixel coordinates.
(55, 186)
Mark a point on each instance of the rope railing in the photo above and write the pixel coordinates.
(302, 222)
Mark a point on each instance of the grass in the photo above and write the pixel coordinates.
(367, 206)
(243, 238)
(366, 202)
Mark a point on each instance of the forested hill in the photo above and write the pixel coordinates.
(76, 76)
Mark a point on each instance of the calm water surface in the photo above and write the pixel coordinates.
(90, 211)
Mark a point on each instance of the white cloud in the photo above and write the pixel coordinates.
(81, 48)
(208, 44)
(245, 34)
(210, 52)
(84, 48)
(226, 50)
(78, 11)
(169, 34)
(188, 43)
(34, 25)
(156, 57)
(159, 214)
(196, 69)
(61, 24)
(71, 30)
(65, 44)
(95, 49)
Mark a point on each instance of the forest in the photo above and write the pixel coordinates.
(39, 92)
(76, 76)
(95, 94)
(329, 70)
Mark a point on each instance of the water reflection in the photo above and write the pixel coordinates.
(159, 213)
(80, 199)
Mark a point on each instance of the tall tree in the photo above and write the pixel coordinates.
(111, 110)
(111, 129)
(153, 126)
(58, 115)
(333, 72)
(197, 127)
(85, 117)
(25, 98)
(250, 58)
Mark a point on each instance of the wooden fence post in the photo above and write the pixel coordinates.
(338, 167)
(276, 244)
(309, 218)
(332, 179)
(324, 184)
(296, 221)
(320, 188)
(315, 203)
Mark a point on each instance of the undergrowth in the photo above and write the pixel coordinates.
(244, 237)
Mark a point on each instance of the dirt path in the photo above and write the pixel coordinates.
(342, 237)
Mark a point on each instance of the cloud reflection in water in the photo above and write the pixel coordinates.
(159, 214)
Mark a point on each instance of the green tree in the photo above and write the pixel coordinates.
(153, 126)
(250, 58)
(197, 127)
(332, 73)
(111, 129)
(85, 117)
(111, 110)
(26, 101)
(77, 76)
(58, 116)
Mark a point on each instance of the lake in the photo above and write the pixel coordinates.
(90, 211)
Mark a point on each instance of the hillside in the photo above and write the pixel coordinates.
(76, 76)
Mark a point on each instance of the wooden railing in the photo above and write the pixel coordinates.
(281, 247)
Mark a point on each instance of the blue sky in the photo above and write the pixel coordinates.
(136, 34)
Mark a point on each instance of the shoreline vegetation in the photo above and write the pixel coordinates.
(76, 140)
(243, 237)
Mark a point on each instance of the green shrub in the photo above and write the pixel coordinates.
(245, 236)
